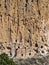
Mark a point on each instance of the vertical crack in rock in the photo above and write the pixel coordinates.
(17, 16)
(31, 0)
(20, 36)
(10, 33)
(26, 1)
(38, 7)
(30, 42)
(1, 18)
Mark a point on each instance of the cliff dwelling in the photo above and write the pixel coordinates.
(24, 27)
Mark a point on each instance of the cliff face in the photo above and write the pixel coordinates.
(24, 27)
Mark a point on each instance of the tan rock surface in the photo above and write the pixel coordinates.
(24, 26)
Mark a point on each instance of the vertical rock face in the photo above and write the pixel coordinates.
(24, 27)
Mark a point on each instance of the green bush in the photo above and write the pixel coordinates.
(5, 60)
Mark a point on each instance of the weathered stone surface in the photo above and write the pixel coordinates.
(24, 27)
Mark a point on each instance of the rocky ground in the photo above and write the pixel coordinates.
(36, 60)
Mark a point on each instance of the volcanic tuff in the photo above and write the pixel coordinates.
(24, 27)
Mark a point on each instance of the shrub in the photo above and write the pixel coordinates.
(5, 60)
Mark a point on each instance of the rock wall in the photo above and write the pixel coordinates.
(24, 27)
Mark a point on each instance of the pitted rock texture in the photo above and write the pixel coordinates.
(24, 27)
